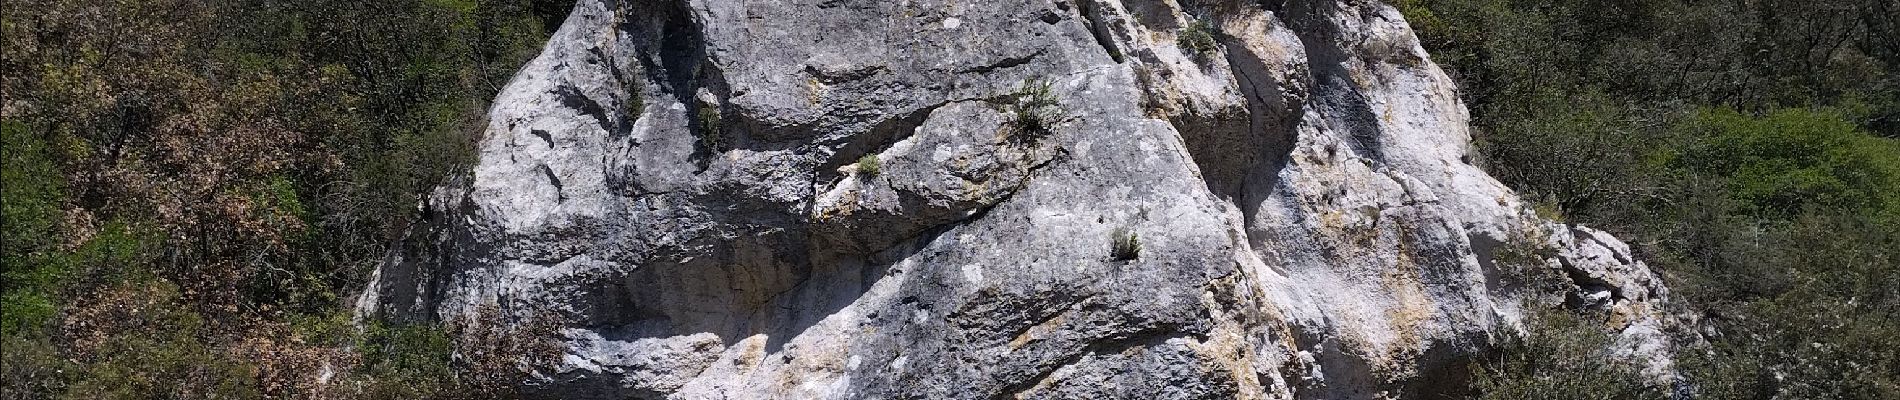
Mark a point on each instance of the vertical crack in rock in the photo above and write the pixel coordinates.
(1338, 95)
(1099, 30)
(554, 180)
(669, 43)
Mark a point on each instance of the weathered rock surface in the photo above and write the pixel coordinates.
(677, 180)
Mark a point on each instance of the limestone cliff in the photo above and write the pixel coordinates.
(681, 183)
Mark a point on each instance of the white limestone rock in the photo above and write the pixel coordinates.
(1308, 222)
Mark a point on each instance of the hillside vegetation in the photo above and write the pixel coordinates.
(193, 187)
(1751, 150)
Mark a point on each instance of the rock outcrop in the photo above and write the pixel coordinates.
(872, 199)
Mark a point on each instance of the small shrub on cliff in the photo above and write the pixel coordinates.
(710, 127)
(1035, 109)
(1197, 38)
(1124, 245)
(634, 104)
(868, 165)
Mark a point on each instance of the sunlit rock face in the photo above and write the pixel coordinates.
(682, 184)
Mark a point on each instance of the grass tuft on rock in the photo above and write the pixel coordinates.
(1035, 109)
(1197, 38)
(1124, 245)
(868, 165)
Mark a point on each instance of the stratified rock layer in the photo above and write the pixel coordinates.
(680, 183)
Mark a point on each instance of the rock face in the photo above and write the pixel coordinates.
(680, 182)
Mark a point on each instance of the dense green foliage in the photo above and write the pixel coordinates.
(1746, 149)
(190, 187)
(416, 356)
(30, 193)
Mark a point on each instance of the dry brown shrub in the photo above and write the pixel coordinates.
(288, 367)
(494, 356)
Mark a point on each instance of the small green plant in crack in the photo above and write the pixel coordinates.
(1035, 108)
(868, 165)
(1124, 245)
(710, 125)
(635, 104)
(1197, 38)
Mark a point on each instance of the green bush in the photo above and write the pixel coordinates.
(1789, 161)
(1746, 149)
(406, 361)
(1561, 356)
(1035, 109)
(333, 329)
(32, 368)
(142, 341)
(31, 193)
(1197, 38)
(1804, 309)
(868, 165)
(1522, 261)
(635, 104)
(711, 128)
(1124, 245)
